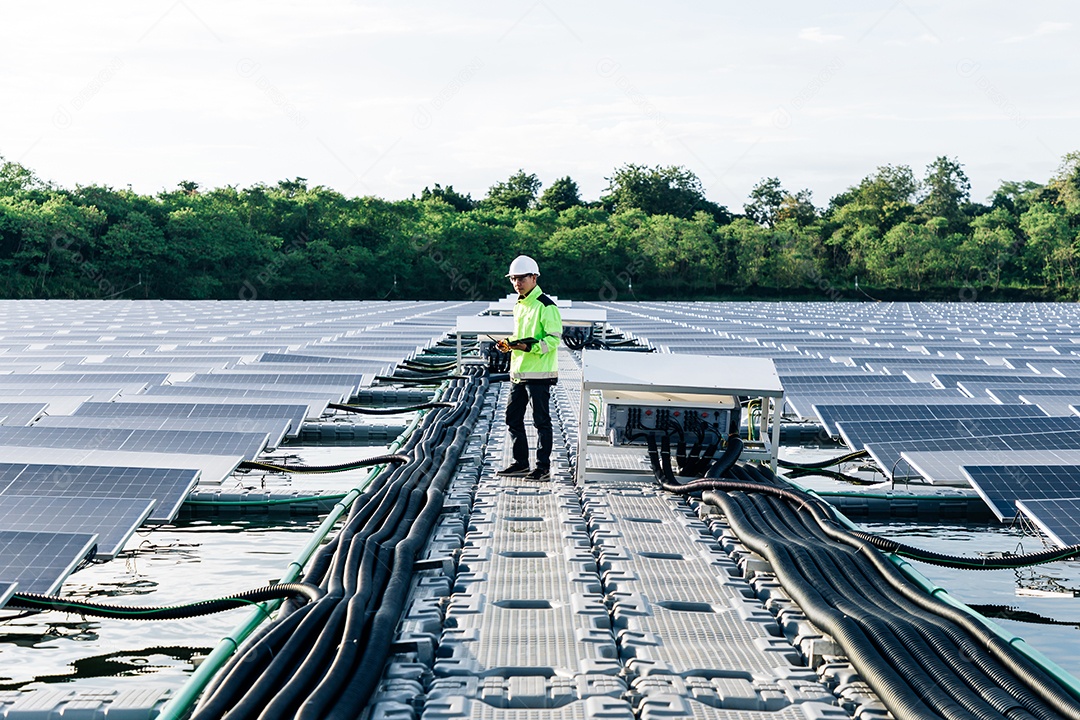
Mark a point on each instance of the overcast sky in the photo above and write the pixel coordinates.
(384, 98)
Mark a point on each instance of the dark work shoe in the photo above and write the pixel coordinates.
(539, 473)
(515, 470)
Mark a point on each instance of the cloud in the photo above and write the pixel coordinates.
(814, 34)
(1044, 28)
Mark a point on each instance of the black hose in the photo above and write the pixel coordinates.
(993, 655)
(431, 380)
(385, 411)
(366, 462)
(732, 450)
(33, 601)
(819, 509)
(332, 658)
(823, 463)
(877, 649)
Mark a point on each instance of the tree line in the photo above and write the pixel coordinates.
(651, 234)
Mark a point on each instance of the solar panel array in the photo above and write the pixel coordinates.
(1002, 486)
(934, 381)
(113, 408)
(1056, 517)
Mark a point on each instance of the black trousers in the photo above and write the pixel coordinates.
(520, 394)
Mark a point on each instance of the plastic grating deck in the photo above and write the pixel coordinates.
(139, 704)
(606, 599)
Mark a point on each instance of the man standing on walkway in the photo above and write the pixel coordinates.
(534, 368)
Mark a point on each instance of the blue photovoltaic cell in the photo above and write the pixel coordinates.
(167, 486)
(112, 519)
(1001, 486)
(191, 442)
(294, 412)
(859, 434)
(1058, 518)
(39, 562)
(19, 414)
(888, 455)
(276, 428)
(830, 414)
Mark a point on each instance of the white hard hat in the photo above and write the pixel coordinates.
(523, 265)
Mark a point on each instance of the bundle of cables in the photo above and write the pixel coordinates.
(922, 657)
(323, 659)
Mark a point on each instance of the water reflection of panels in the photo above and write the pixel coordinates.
(1058, 518)
(112, 519)
(39, 562)
(1001, 486)
(169, 487)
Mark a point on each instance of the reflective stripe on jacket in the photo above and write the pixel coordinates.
(536, 316)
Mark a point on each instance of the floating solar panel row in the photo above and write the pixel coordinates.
(276, 429)
(878, 412)
(1057, 517)
(1001, 486)
(38, 562)
(294, 413)
(802, 403)
(858, 434)
(946, 467)
(247, 445)
(888, 454)
(112, 519)
(168, 487)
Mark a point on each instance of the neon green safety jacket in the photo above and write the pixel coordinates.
(536, 316)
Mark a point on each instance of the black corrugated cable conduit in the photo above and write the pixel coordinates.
(950, 665)
(385, 411)
(340, 467)
(324, 659)
(33, 601)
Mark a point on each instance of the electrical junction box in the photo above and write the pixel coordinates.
(696, 418)
(632, 392)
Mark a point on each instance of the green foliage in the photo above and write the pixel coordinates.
(562, 194)
(516, 193)
(654, 234)
(461, 203)
(671, 190)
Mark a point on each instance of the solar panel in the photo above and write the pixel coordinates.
(1058, 518)
(91, 378)
(169, 487)
(944, 467)
(248, 445)
(803, 403)
(888, 455)
(316, 398)
(19, 414)
(112, 519)
(295, 413)
(210, 469)
(276, 428)
(1002, 485)
(859, 434)
(39, 562)
(830, 414)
